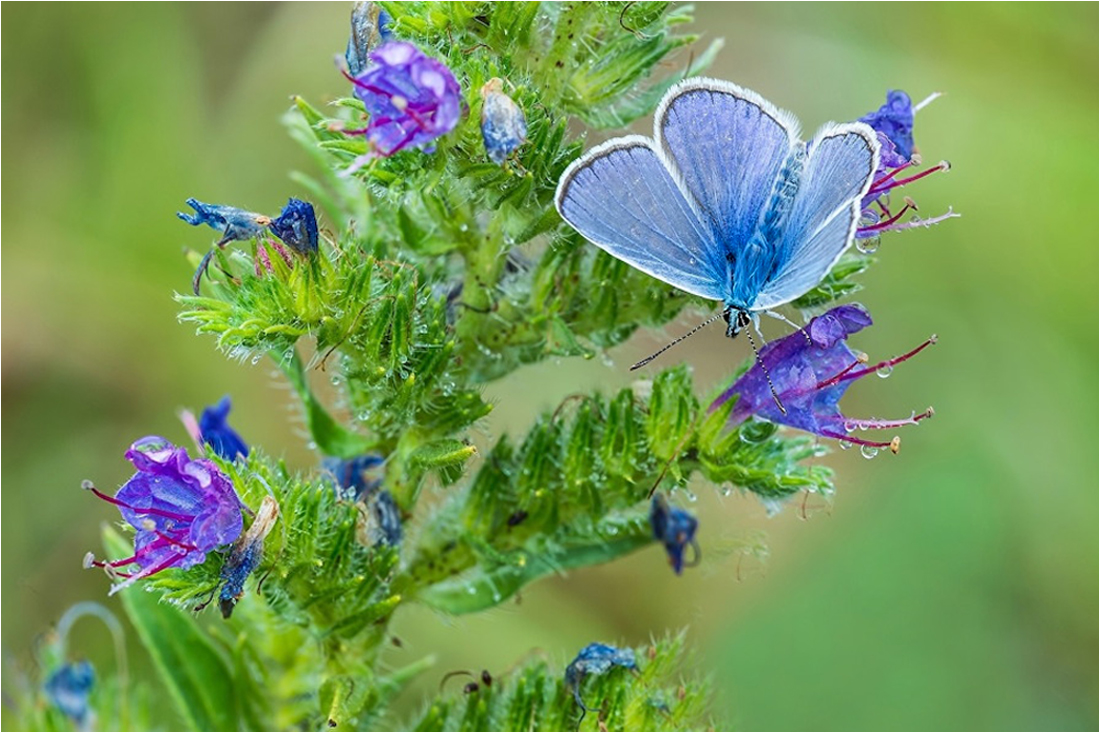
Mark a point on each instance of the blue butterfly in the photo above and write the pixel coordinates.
(725, 202)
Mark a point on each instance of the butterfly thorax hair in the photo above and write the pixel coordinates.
(752, 265)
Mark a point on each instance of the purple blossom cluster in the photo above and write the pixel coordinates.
(798, 381)
(412, 100)
(181, 508)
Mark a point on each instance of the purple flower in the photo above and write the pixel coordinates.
(412, 100)
(503, 124)
(69, 689)
(675, 529)
(893, 123)
(296, 226)
(811, 369)
(370, 25)
(181, 509)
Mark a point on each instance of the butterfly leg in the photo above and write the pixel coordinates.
(780, 317)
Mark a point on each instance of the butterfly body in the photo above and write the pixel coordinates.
(725, 201)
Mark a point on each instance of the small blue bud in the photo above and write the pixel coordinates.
(69, 689)
(595, 659)
(675, 528)
(370, 26)
(296, 226)
(503, 124)
(215, 432)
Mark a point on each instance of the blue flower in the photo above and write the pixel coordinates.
(675, 528)
(296, 226)
(894, 120)
(811, 369)
(351, 477)
(180, 508)
(356, 480)
(595, 659)
(503, 124)
(233, 223)
(215, 432)
(893, 123)
(69, 689)
(412, 100)
(370, 25)
(382, 524)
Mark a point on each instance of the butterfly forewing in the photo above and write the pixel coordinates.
(824, 214)
(622, 198)
(727, 145)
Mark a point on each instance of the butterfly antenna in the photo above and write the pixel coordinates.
(668, 346)
(775, 395)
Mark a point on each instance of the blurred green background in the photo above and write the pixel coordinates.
(951, 587)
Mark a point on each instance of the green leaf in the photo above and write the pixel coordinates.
(332, 439)
(195, 673)
(486, 586)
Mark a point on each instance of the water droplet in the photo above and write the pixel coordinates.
(868, 451)
(844, 444)
(727, 490)
(690, 496)
(362, 415)
(335, 380)
(868, 246)
(850, 426)
(256, 358)
(471, 590)
(885, 370)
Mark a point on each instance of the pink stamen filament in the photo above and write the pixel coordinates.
(858, 441)
(886, 424)
(886, 222)
(161, 542)
(170, 541)
(889, 175)
(847, 374)
(185, 518)
(894, 184)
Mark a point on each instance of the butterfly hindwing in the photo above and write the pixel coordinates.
(622, 197)
(824, 214)
(728, 146)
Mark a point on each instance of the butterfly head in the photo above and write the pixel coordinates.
(736, 320)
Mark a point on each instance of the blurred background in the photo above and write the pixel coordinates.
(953, 586)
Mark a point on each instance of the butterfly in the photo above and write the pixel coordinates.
(725, 201)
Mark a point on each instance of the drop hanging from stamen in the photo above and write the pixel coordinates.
(848, 374)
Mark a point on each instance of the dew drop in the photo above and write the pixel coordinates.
(868, 246)
(335, 381)
(690, 496)
(727, 490)
(885, 371)
(868, 451)
(471, 590)
(256, 359)
(844, 444)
